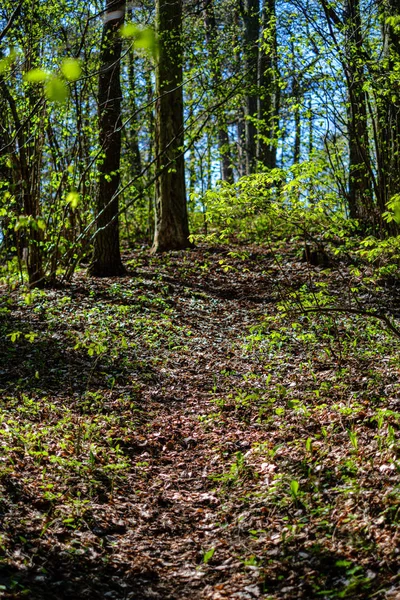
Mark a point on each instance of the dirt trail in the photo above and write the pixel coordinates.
(181, 516)
(181, 520)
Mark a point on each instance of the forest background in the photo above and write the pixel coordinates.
(119, 121)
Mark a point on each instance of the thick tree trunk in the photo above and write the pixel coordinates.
(269, 92)
(251, 35)
(171, 226)
(216, 76)
(106, 261)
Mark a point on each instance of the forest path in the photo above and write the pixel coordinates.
(184, 518)
(171, 435)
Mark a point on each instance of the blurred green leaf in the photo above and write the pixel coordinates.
(73, 199)
(36, 75)
(71, 69)
(56, 90)
(129, 30)
(144, 38)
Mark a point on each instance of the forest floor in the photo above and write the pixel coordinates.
(176, 434)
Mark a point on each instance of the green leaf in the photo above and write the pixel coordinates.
(71, 69)
(208, 555)
(14, 336)
(36, 75)
(73, 199)
(294, 488)
(144, 38)
(56, 90)
(129, 30)
(31, 336)
(343, 563)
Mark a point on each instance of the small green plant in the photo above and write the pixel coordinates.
(251, 561)
(294, 489)
(207, 556)
(238, 470)
(353, 439)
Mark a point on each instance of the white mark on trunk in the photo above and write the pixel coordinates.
(113, 16)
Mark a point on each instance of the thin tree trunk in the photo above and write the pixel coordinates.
(216, 76)
(297, 121)
(240, 127)
(106, 261)
(241, 143)
(28, 156)
(150, 153)
(133, 138)
(310, 129)
(251, 35)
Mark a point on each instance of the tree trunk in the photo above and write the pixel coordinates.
(133, 137)
(251, 34)
(360, 184)
(216, 77)
(171, 226)
(106, 261)
(269, 93)
(27, 177)
(296, 90)
(388, 109)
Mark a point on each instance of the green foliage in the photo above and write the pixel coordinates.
(144, 38)
(278, 203)
(6, 63)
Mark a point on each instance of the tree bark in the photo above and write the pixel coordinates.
(360, 184)
(239, 121)
(388, 110)
(171, 223)
(26, 183)
(216, 76)
(133, 137)
(296, 90)
(269, 93)
(106, 261)
(251, 35)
